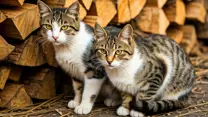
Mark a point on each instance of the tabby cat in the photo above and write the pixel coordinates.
(153, 73)
(73, 41)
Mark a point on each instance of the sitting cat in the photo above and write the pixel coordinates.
(72, 41)
(153, 74)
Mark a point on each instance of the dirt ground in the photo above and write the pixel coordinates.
(57, 107)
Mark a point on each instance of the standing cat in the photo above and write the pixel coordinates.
(155, 70)
(72, 41)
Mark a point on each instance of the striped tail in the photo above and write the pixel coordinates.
(153, 107)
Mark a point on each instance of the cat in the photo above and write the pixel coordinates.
(153, 73)
(72, 41)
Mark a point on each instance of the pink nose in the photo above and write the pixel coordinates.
(55, 38)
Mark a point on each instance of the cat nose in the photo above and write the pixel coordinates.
(109, 62)
(55, 37)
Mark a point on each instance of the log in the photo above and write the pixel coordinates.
(12, 2)
(49, 54)
(189, 38)
(4, 74)
(152, 20)
(175, 11)
(156, 3)
(14, 96)
(195, 10)
(202, 29)
(15, 73)
(66, 4)
(98, 8)
(5, 48)
(40, 83)
(86, 3)
(27, 53)
(176, 33)
(2, 17)
(128, 9)
(20, 22)
(91, 20)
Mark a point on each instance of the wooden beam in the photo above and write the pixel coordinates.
(4, 74)
(98, 8)
(20, 22)
(27, 53)
(40, 83)
(128, 9)
(66, 4)
(156, 3)
(176, 33)
(2, 17)
(152, 20)
(5, 48)
(175, 11)
(189, 38)
(14, 96)
(195, 10)
(12, 2)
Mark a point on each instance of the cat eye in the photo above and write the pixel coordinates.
(65, 27)
(118, 52)
(103, 51)
(47, 26)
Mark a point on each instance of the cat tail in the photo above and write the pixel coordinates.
(153, 107)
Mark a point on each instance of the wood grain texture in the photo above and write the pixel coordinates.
(40, 83)
(4, 74)
(14, 96)
(2, 17)
(27, 53)
(156, 3)
(176, 33)
(98, 8)
(12, 2)
(153, 20)
(91, 20)
(5, 48)
(175, 11)
(20, 22)
(87, 3)
(15, 72)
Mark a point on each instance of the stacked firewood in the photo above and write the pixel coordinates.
(28, 68)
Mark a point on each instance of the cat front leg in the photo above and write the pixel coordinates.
(124, 109)
(91, 89)
(77, 86)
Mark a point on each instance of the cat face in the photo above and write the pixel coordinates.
(59, 26)
(111, 51)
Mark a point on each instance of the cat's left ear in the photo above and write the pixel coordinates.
(73, 9)
(99, 32)
(126, 34)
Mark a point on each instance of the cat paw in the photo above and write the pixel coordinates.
(121, 111)
(83, 109)
(134, 113)
(111, 102)
(73, 104)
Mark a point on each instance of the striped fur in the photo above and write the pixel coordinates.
(155, 70)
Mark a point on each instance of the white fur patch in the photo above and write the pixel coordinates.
(134, 113)
(121, 111)
(122, 76)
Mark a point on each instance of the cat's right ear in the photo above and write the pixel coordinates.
(99, 32)
(44, 9)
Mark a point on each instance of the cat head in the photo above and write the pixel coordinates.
(113, 51)
(59, 25)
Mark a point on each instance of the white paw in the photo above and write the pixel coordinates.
(111, 102)
(73, 104)
(83, 109)
(121, 111)
(134, 113)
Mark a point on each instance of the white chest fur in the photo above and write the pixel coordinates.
(123, 77)
(70, 55)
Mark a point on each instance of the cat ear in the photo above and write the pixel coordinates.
(73, 9)
(99, 32)
(126, 34)
(44, 9)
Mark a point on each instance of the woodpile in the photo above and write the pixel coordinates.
(28, 68)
